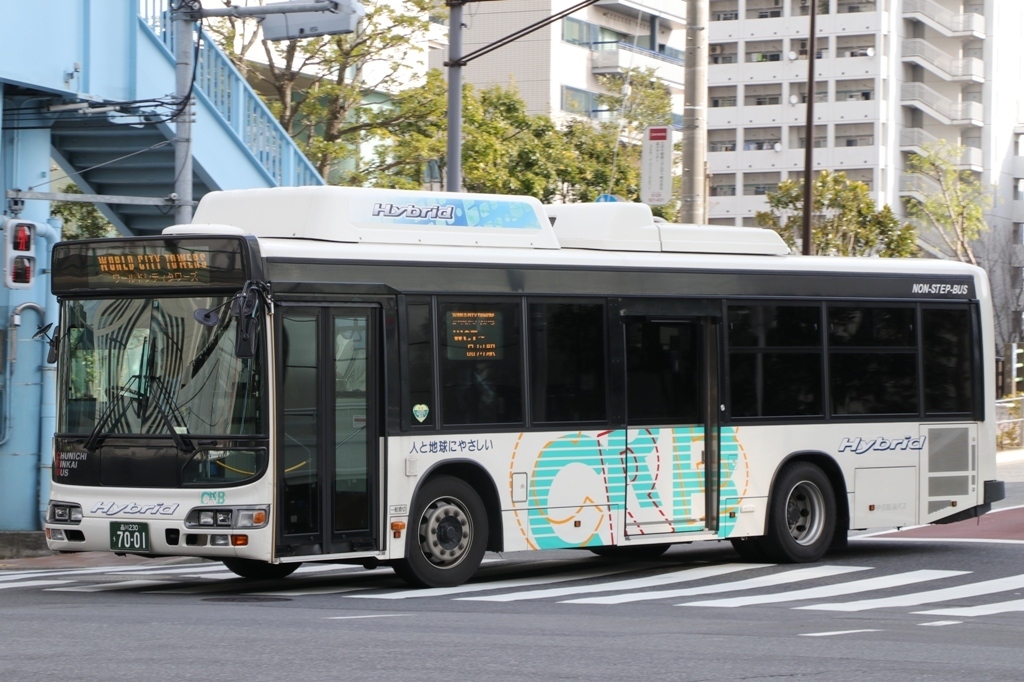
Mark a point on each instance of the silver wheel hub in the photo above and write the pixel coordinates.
(805, 513)
(445, 532)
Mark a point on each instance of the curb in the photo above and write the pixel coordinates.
(23, 544)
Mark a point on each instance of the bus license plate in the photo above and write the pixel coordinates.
(129, 536)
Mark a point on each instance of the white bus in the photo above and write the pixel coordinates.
(411, 379)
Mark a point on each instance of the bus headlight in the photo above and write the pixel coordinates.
(227, 517)
(63, 512)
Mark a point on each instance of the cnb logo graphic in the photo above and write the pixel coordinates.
(863, 446)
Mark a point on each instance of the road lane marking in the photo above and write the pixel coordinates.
(837, 632)
(928, 597)
(784, 578)
(34, 583)
(673, 577)
(375, 615)
(852, 587)
(496, 585)
(109, 587)
(940, 623)
(982, 610)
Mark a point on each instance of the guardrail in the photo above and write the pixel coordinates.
(238, 105)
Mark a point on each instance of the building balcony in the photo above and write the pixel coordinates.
(948, 23)
(917, 186)
(1018, 211)
(941, 63)
(942, 108)
(915, 139)
(671, 11)
(620, 57)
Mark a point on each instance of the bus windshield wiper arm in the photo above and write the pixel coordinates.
(96, 435)
(182, 443)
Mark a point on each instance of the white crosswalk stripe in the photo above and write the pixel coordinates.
(797, 575)
(852, 587)
(928, 597)
(483, 587)
(982, 610)
(686, 575)
(34, 583)
(108, 587)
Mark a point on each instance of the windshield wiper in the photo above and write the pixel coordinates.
(96, 436)
(182, 443)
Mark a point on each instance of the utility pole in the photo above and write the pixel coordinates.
(693, 208)
(183, 48)
(454, 148)
(812, 53)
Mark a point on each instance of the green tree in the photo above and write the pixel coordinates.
(606, 158)
(81, 220)
(845, 221)
(951, 203)
(330, 93)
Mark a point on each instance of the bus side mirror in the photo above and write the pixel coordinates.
(245, 338)
(52, 341)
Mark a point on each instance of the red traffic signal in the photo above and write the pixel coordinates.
(19, 253)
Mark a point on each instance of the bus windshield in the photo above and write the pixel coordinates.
(146, 366)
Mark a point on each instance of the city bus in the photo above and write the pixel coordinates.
(411, 379)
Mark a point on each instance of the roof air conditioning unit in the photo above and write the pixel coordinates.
(716, 49)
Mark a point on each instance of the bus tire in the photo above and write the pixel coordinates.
(259, 570)
(637, 553)
(447, 535)
(801, 515)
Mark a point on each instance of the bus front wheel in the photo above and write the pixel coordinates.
(259, 570)
(801, 515)
(447, 535)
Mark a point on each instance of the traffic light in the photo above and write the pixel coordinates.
(19, 253)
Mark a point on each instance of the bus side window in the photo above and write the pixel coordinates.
(567, 362)
(420, 354)
(948, 379)
(481, 366)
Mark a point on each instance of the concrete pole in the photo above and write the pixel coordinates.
(454, 154)
(693, 207)
(183, 49)
(812, 53)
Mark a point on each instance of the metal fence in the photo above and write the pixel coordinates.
(241, 109)
(1009, 423)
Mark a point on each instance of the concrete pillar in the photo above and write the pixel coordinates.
(24, 164)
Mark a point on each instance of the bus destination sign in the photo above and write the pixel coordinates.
(118, 264)
(473, 335)
(155, 268)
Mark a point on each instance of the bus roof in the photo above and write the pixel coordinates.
(386, 216)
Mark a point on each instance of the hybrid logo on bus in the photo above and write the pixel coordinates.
(940, 289)
(862, 446)
(414, 211)
(134, 508)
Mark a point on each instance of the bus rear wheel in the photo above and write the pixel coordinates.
(801, 515)
(259, 570)
(447, 535)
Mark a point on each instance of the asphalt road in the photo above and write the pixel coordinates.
(887, 608)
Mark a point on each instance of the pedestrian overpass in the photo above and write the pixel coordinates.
(89, 86)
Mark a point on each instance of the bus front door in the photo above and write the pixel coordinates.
(327, 441)
(671, 456)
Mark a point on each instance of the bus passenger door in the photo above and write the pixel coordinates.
(328, 487)
(671, 453)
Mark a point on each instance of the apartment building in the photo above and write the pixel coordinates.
(556, 68)
(891, 75)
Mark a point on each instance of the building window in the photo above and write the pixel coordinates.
(581, 102)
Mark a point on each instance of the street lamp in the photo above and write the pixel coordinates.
(812, 52)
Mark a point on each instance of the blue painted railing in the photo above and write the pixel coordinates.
(226, 90)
